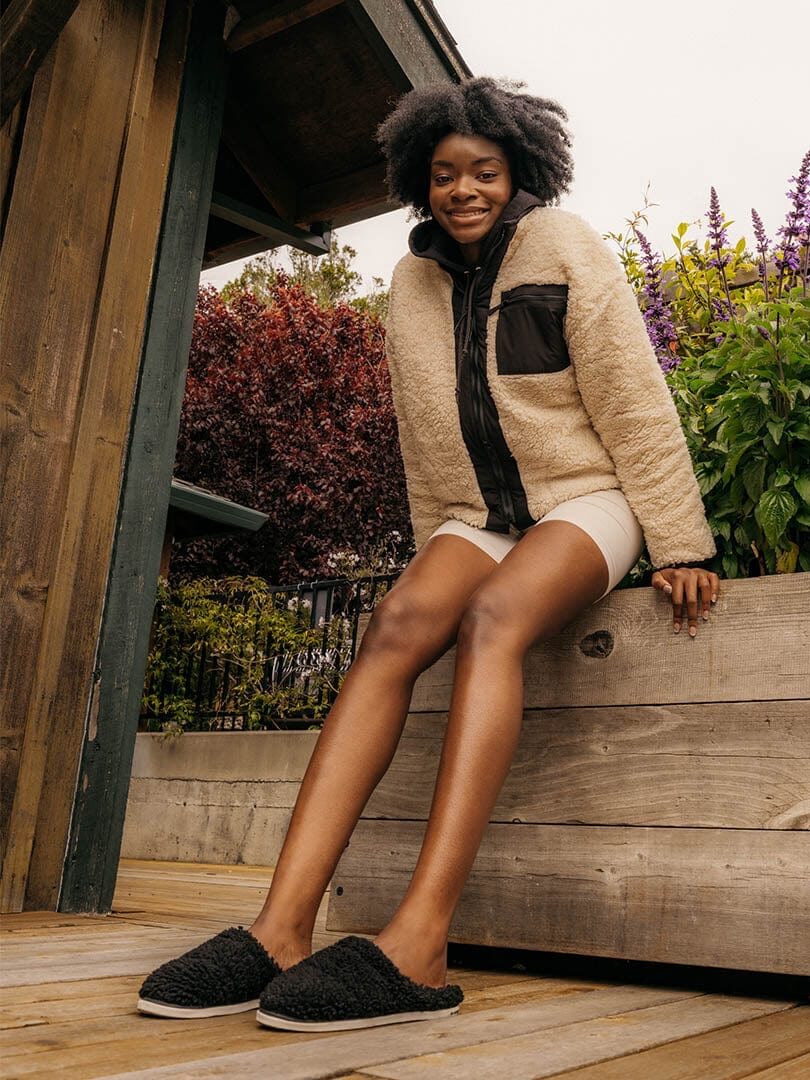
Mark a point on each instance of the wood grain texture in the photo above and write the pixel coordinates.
(80, 1023)
(720, 898)
(116, 75)
(744, 766)
(106, 753)
(548, 1053)
(755, 647)
(28, 30)
(727, 1054)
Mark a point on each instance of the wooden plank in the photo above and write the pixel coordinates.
(106, 752)
(55, 726)
(343, 200)
(409, 56)
(47, 308)
(548, 1053)
(730, 1053)
(798, 1069)
(742, 765)
(720, 898)
(28, 30)
(329, 1055)
(283, 16)
(622, 651)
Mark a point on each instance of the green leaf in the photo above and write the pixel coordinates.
(773, 512)
(730, 566)
(752, 414)
(786, 560)
(781, 478)
(775, 429)
(754, 477)
(802, 485)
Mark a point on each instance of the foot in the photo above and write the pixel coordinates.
(285, 949)
(417, 955)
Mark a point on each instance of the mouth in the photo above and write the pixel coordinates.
(468, 214)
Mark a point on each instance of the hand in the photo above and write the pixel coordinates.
(693, 587)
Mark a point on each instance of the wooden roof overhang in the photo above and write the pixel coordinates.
(309, 82)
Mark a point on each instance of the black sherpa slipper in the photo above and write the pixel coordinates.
(226, 974)
(351, 984)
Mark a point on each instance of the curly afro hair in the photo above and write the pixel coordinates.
(530, 130)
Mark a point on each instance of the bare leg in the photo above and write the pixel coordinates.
(415, 623)
(542, 584)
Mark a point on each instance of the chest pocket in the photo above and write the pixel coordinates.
(529, 337)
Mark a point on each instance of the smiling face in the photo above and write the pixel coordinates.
(470, 184)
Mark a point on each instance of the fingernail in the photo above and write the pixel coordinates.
(714, 598)
(705, 614)
(692, 631)
(667, 588)
(677, 628)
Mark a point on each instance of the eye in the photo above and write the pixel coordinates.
(442, 178)
(487, 176)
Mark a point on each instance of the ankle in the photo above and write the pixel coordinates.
(286, 948)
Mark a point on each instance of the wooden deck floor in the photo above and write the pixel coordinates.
(69, 984)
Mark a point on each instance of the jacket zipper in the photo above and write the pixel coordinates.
(530, 298)
(478, 398)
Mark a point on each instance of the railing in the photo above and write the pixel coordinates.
(210, 686)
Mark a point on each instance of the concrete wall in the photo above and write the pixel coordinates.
(219, 798)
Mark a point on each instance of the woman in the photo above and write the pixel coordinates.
(541, 449)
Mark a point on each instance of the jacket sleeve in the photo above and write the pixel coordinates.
(629, 403)
(425, 512)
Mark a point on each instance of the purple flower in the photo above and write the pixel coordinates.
(717, 232)
(656, 311)
(762, 241)
(796, 229)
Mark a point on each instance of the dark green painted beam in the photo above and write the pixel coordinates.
(209, 507)
(275, 231)
(91, 863)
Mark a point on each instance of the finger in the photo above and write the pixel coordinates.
(692, 602)
(715, 587)
(705, 593)
(658, 581)
(677, 602)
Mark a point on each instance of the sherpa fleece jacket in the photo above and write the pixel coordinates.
(605, 420)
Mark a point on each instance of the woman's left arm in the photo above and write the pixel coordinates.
(629, 403)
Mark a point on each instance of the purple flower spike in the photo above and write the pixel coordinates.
(656, 310)
(762, 248)
(717, 232)
(795, 233)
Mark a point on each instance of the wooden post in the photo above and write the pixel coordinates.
(106, 762)
(89, 190)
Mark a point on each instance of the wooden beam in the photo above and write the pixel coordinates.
(283, 16)
(247, 142)
(28, 29)
(398, 38)
(106, 760)
(91, 187)
(275, 230)
(346, 199)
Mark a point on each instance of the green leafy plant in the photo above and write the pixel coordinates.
(731, 329)
(225, 654)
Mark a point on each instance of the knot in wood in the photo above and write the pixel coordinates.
(599, 644)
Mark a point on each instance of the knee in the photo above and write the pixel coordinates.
(487, 622)
(397, 625)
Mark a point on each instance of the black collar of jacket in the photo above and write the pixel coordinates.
(428, 240)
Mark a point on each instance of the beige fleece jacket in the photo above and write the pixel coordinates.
(606, 421)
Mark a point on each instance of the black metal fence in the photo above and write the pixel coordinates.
(195, 687)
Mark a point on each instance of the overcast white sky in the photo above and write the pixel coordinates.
(680, 95)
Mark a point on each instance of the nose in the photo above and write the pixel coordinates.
(463, 188)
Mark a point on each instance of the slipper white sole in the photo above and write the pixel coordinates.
(180, 1012)
(274, 1020)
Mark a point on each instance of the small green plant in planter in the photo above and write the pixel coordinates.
(731, 330)
(226, 655)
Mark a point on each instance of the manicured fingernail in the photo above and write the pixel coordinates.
(705, 614)
(692, 631)
(714, 598)
(677, 628)
(667, 588)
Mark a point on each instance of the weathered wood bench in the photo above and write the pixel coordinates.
(658, 806)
